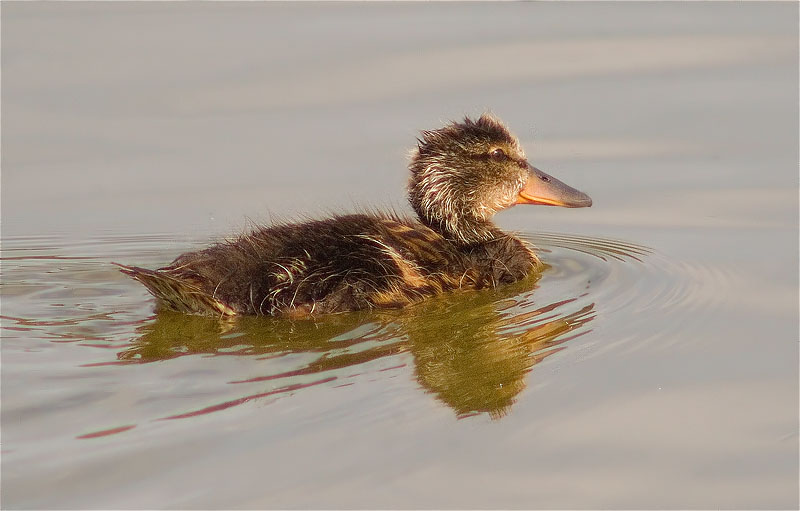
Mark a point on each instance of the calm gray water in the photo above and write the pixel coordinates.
(653, 365)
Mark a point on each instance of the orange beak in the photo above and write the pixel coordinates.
(549, 191)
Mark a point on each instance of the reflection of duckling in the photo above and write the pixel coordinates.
(461, 175)
(472, 353)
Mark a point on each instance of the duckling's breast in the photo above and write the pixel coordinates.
(435, 264)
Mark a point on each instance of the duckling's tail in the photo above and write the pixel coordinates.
(176, 293)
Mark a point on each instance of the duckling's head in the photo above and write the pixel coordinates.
(465, 172)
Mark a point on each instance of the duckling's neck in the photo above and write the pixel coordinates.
(441, 203)
(461, 230)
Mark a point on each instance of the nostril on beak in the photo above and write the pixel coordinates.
(545, 179)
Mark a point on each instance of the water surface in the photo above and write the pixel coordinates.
(652, 365)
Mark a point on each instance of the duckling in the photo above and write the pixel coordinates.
(461, 175)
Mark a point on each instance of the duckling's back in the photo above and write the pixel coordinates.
(344, 263)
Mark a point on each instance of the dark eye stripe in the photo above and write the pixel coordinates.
(480, 156)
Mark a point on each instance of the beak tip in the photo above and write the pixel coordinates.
(583, 202)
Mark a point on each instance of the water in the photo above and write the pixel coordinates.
(654, 363)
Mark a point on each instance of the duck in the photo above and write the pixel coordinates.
(460, 176)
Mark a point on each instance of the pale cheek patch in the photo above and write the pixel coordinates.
(497, 201)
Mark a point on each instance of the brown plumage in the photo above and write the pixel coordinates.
(460, 176)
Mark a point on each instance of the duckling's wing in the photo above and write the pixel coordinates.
(177, 293)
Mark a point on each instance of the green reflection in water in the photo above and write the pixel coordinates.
(471, 350)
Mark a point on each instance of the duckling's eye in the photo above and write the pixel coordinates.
(498, 155)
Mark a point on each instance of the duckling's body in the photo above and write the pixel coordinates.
(343, 263)
(362, 261)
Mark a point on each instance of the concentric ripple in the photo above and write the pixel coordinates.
(631, 284)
